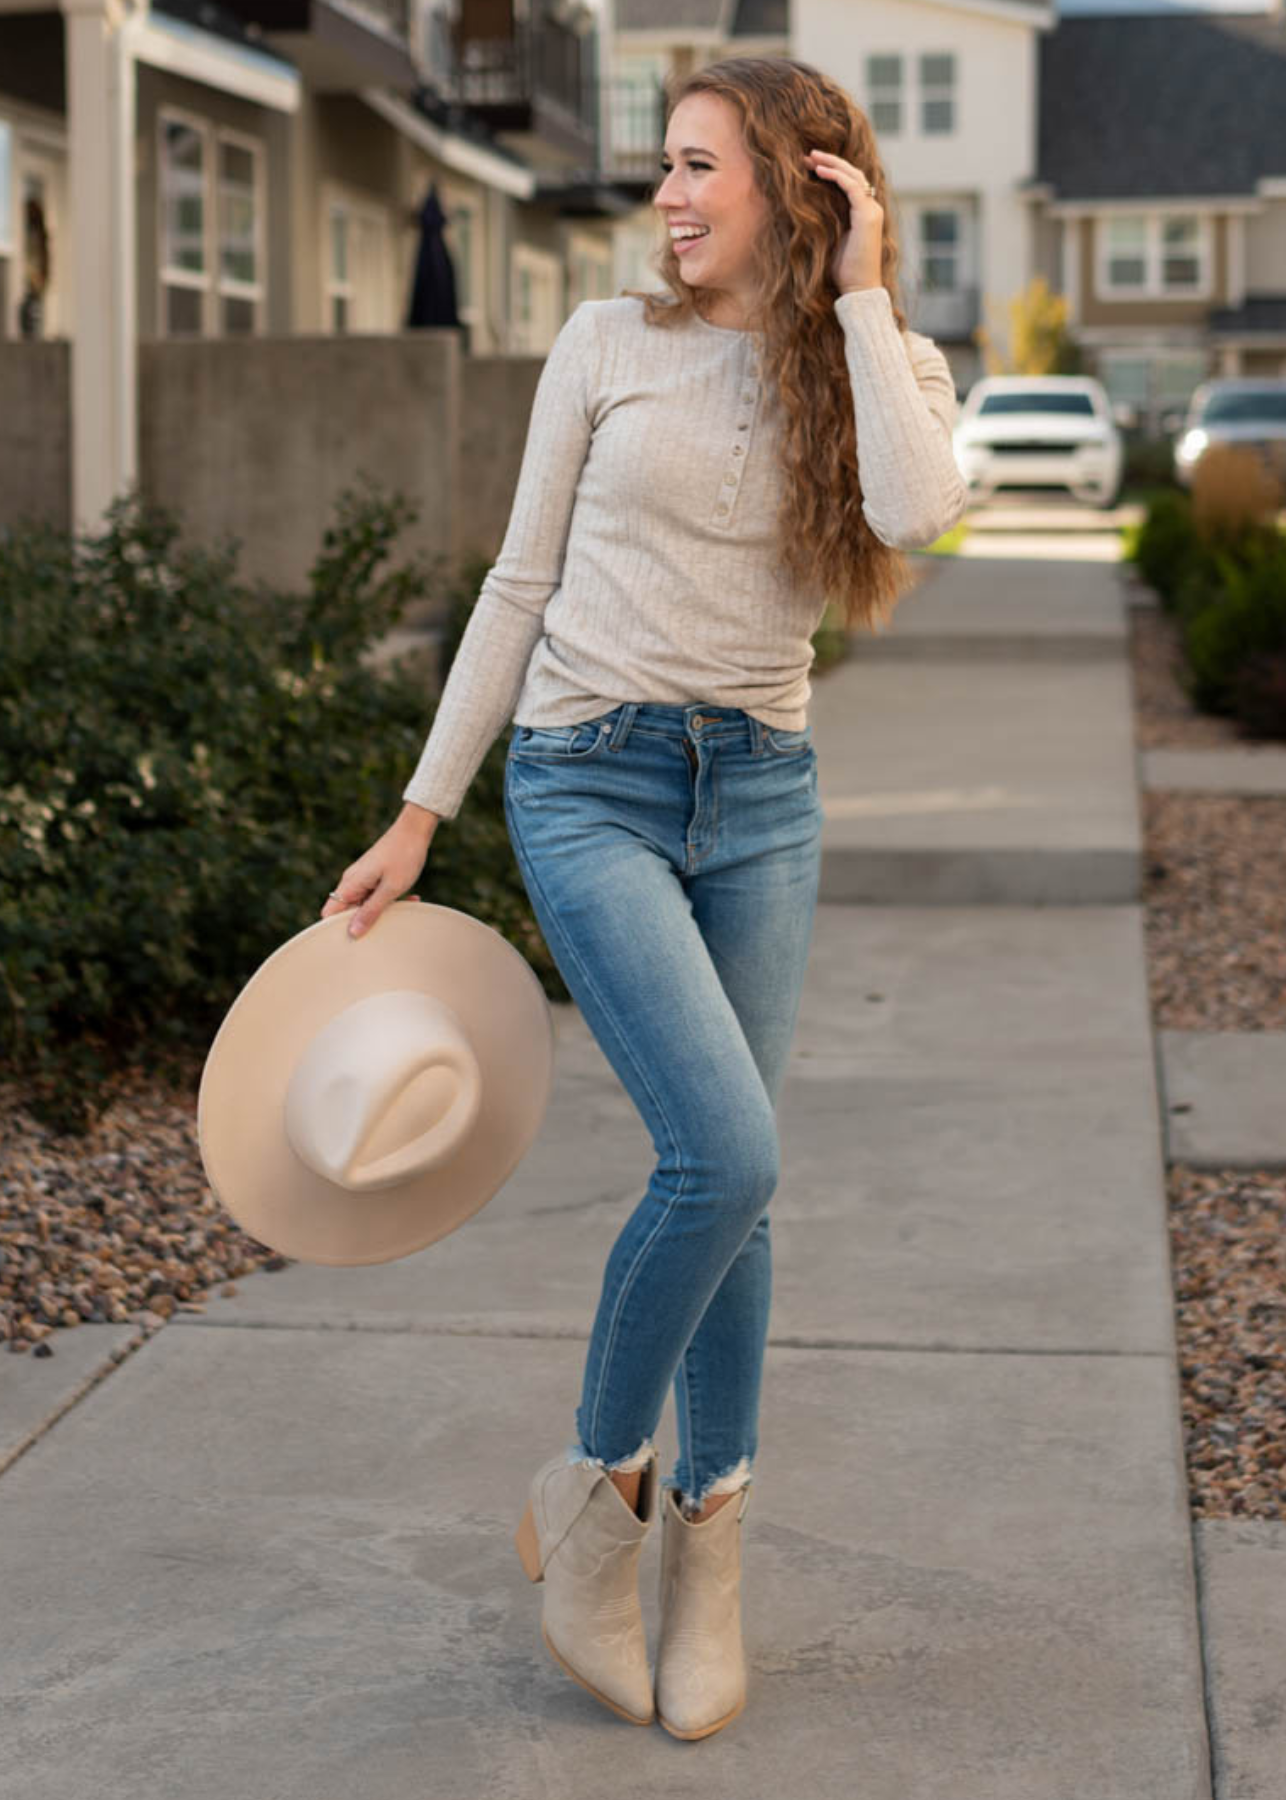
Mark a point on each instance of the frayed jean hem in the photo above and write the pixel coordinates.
(739, 1476)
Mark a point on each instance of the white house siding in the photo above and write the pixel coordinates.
(974, 169)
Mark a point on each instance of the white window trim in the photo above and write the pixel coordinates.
(1151, 287)
(549, 267)
(335, 196)
(228, 286)
(593, 251)
(211, 283)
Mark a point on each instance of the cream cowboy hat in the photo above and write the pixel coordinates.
(365, 1096)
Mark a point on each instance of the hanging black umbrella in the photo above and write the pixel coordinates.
(433, 289)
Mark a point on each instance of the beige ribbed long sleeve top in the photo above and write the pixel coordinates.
(638, 561)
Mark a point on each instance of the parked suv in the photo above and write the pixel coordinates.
(1054, 431)
(1234, 409)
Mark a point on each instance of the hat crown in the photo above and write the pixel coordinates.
(386, 1089)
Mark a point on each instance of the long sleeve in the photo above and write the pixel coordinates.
(904, 405)
(486, 674)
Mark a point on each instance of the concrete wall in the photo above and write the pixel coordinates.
(495, 409)
(255, 439)
(35, 433)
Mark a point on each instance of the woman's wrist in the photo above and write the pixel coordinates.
(418, 818)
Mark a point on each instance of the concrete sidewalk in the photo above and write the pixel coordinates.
(270, 1553)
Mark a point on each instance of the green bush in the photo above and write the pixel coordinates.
(187, 763)
(1232, 643)
(1167, 546)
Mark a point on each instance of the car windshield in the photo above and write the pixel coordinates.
(1232, 408)
(1044, 401)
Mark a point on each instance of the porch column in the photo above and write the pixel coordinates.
(100, 159)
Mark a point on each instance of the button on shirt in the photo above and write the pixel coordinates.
(639, 561)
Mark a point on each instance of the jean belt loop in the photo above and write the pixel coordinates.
(756, 735)
(621, 725)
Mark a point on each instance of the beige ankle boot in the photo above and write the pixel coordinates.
(700, 1659)
(582, 1538)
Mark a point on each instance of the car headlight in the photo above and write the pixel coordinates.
(1191, 444)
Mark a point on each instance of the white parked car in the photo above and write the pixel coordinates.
(1044, 431)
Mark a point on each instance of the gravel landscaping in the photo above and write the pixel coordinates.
(1214, 896)
(116, 1227)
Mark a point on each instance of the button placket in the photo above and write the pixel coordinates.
(729, 487)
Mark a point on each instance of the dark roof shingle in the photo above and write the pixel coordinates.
(1161, 104)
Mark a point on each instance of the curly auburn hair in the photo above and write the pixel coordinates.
(786, 108)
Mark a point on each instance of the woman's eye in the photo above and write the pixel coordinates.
(666, 167)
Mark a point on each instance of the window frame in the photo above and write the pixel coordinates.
(1153, 285)
(211, 283)
(337, 196)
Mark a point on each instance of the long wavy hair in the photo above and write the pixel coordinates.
(786, 108)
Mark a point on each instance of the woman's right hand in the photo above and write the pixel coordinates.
(385, 871)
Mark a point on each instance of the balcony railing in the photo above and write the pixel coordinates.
(502, 77)
(636, 119)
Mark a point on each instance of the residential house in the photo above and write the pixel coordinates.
(950, 88)
(224, 168)
(1161, 186)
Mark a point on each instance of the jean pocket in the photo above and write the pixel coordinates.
(559, 743)
(789, 743)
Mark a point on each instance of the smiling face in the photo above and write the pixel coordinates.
(709, 181)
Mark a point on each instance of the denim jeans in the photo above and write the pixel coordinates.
(671, 854)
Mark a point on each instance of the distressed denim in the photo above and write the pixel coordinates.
(672, 854)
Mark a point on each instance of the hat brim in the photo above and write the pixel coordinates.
(249, 1160)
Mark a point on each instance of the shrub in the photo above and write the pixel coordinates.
(1229, 643)
(1167, 545)
(187, 762)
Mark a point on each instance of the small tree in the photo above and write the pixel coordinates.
(1040, 344)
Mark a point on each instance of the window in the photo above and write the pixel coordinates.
(358, 284)
(1154, 256)
(1181, 253)
(940, 250)
(535, 278)
(937, 93)
(1127, 252)
(211, 230)
(1048, 400)
(884, 92)
(589, 272)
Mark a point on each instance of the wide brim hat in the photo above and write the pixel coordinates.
(364, 1096)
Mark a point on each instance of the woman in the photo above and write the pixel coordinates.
(702, 471)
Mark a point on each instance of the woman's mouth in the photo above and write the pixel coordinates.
(684, 244)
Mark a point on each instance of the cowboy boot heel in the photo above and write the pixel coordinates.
(582, 1539)
(700, 1659)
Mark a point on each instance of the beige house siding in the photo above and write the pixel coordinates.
(1147, 308)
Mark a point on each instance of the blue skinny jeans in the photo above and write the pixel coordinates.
(672, 854)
